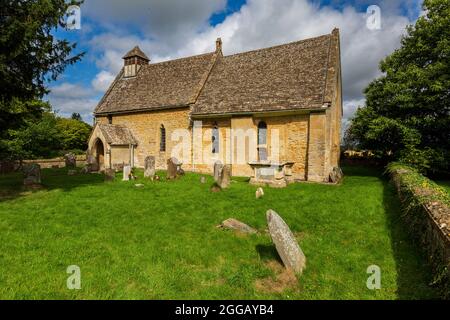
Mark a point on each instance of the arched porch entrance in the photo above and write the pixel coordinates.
(99, 152)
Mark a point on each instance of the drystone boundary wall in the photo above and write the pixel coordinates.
(426, 212)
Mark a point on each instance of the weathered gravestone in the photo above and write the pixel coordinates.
(336, 175)
(32, 174)
(71, 172)
(149, 167)
(70, 160)
(237, 225)
(285, 243)
(126, 173)
(218, 166)
(202, 180)
(259, 193)
(180, 170)
(110, 174)
(172, 168)
(225, 177)
(86, 169)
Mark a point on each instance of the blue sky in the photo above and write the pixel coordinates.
(167, 29)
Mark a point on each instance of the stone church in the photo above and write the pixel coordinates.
(280, 107)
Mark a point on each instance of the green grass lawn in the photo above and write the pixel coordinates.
(161, 241)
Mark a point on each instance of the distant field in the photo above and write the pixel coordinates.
(161, 241)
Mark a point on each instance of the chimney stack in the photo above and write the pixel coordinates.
(219, 45)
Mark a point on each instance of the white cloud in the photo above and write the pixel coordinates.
(102, 81)
(70, 90)
(350, 107)
(166, 21)
(67, 98)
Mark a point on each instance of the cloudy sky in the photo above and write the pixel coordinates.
(167, 29)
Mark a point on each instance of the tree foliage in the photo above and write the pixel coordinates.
(49, 137)
(30, 56)
(407, 112)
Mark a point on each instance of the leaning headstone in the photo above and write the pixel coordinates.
(285, 243)
(218, 166)
(32, 174)
(340, 173)
(70, 160)
(225, 177)
(259, 193)
(149, 167)
(172, 165)
(126, 173)
(237, 225)
(110, 174)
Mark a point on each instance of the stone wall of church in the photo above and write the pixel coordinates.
(146, 128)
(308, 140)
(287, 141)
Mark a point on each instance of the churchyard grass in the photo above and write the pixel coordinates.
(160, 241)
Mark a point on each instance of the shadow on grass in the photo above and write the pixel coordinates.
(268, 252)
(413, 273)
(11, 185)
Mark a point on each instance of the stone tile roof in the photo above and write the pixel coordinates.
(297, 75)
(168, 84)
(116, 134)
(136, 52)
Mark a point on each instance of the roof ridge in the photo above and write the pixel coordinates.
(182, 58)
(279, 45)
(327, 70)
(136, 51)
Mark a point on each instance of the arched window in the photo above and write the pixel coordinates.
(262, 141)
(162, 141)
(215, 139)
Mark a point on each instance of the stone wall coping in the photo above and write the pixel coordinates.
(270, 164)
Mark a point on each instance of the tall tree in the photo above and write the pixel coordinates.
(30, 56)
(76, 116)
(407, 112)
